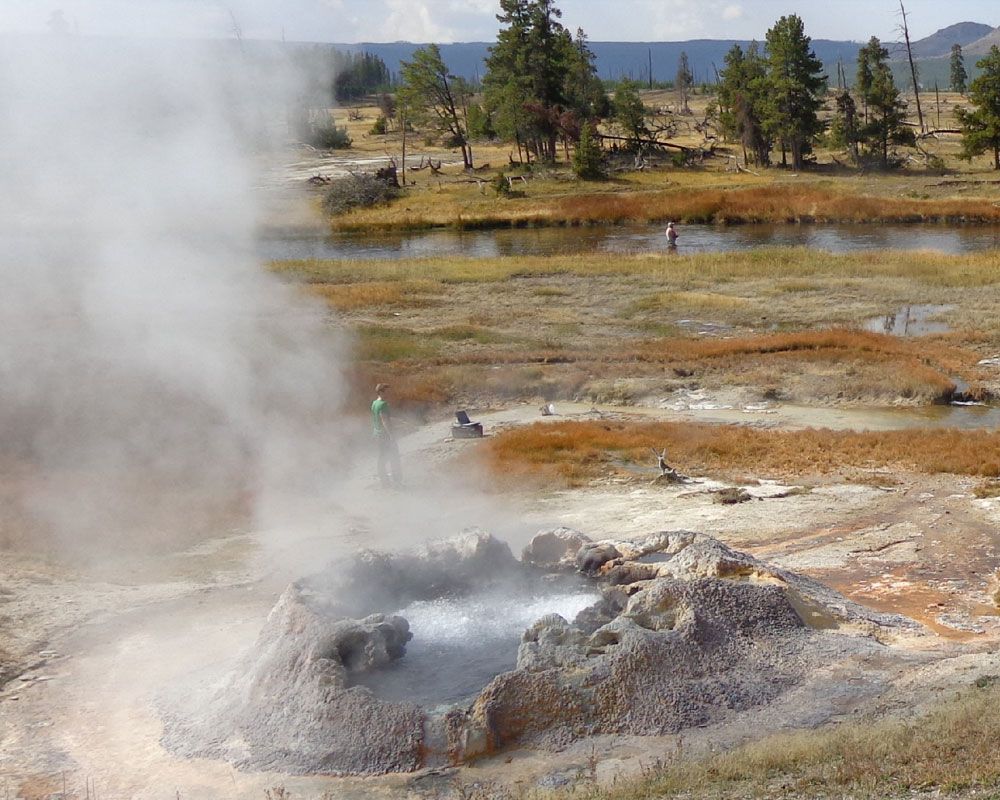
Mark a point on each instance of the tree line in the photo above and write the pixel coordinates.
(541, 92)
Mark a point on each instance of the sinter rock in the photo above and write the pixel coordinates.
(554, 549)
(290, 706)
(687, 632)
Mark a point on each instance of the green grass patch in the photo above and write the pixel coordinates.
(688, 301)
(798, 266)
(377, 343)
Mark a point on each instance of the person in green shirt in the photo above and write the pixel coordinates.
(388, 451)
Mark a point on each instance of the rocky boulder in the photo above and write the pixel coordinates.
(290, 706)
(554, 549)
(680, 654)
(375, 580)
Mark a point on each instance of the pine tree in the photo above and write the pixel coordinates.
(844, 129)
(863, 78)
(437, 99)
(886, 117)
(742, 94)
(588, 161)
(585, 94)
(981, 126)
(959, 77)
(796, 89)
(730, 85)
(683, 82)
(630, 113)
(539, 83)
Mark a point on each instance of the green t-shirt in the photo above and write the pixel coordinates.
(379, 407)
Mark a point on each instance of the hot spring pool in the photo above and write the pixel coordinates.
(460, 644)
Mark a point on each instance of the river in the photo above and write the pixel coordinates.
(626, 239)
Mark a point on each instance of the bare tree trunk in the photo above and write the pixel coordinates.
(402, 124)
(913, 67)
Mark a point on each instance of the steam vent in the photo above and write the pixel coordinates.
(394, 662)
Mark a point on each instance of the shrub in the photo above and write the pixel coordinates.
(588, 161)
(357, 191)
(501, 186)
(328, 136)
(380, 127)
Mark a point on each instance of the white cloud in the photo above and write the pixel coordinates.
(732, 12)
(414, 21)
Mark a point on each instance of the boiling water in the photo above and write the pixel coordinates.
(460, 644)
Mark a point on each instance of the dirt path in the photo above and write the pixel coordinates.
(101, 649)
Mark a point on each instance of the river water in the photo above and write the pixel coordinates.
(627, 239)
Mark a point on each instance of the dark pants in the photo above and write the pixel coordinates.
(388, 454)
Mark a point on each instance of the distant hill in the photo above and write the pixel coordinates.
(615, 60)
(981, 47)
(939, 44)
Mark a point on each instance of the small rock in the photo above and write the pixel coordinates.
(591, 557)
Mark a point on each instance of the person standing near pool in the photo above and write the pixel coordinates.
(388, 450)
(671, 235)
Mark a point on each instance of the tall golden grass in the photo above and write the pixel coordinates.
(683, 270)
(947, 751)
(351, 296)
(769, 204)
(573, 453)
(550, 205)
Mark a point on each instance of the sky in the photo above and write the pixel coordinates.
(474, 20)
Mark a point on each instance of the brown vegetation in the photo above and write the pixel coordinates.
(780, 204)
(775, 203)
(573, 453)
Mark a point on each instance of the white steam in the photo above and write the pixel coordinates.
(154, 380)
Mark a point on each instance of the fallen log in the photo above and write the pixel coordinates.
(655, 143)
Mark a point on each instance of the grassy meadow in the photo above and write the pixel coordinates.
(783, 322)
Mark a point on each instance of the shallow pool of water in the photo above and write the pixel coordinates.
(628, 239)
(912, 320)
(460, 644)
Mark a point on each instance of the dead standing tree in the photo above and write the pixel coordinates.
(683, 82)
(913, 66)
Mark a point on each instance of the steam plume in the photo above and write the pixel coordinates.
(153, 379)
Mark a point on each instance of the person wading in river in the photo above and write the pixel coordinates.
(388, 450)
(671, 235)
